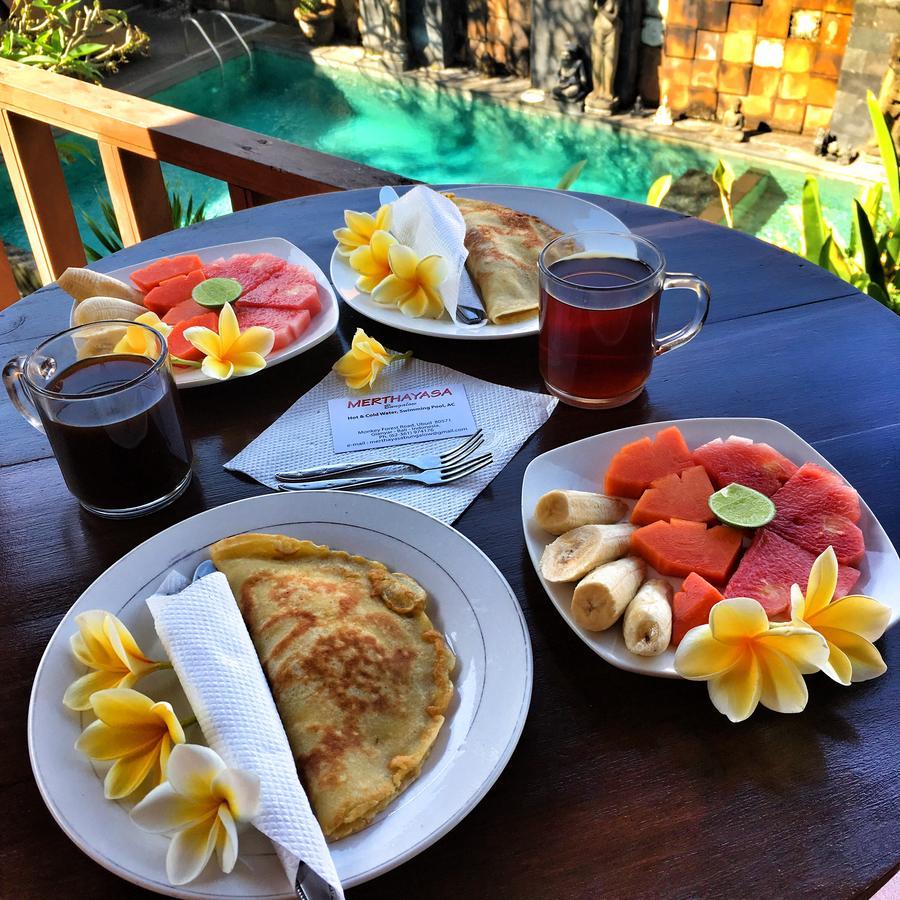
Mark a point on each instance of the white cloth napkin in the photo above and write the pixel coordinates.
(301, 438)
(225, 685)
(430, 223)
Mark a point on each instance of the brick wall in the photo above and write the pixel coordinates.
(717, 51)
(498, 34)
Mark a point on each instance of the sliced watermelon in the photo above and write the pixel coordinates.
(679, 548)
(691, 606)
(179, 344)
(738, 460)
(172, 291)
(638, 464)
(812, 487)
(246, 268)
(769, 568)
(683, 495)
(187, 309)
(288, 324)
(162, 269)
(292, 288)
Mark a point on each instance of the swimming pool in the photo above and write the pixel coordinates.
(437, 136)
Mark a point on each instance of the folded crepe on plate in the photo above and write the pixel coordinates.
(359, 674)
(504, 246)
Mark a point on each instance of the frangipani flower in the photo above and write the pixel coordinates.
(199, 804)
(141, 342)
(360, 365)
(231, 352)
(745, 661)
(371, 261)
(360, 228)
(848, 625)
(413, 284)
(134, 731)
(105, 645)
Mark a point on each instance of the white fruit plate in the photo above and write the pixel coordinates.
(580, 466)
(322, 326)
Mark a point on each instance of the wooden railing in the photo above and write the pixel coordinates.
(134, 135)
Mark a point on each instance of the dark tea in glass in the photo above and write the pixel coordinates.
(113, 419)
(600, 296)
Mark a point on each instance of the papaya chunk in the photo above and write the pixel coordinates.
(679, 548)
(638, 464)
(691, 606)
(681, 495)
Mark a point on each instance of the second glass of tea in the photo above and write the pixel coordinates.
(600, 296)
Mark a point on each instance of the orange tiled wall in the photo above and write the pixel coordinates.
(499, 34)
(717, 51)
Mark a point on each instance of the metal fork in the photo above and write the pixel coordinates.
(444, 475)
(422, 463)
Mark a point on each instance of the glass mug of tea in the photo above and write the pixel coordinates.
(600, 295)
(113, 419)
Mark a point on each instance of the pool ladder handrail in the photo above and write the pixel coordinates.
(237, 34)
(205, 36)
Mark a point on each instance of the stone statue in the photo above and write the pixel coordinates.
(573, 81)
(826, 144)
(605, 54)
(732, 127)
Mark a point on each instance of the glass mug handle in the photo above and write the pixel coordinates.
(701, 311)
(13, 372)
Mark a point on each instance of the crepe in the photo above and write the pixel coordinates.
(504, 246)
(360, 677)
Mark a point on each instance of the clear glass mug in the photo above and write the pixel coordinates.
(599, 305)
(113, 419)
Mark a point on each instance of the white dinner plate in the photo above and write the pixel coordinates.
(470, 602)
(581, 466)
(322, 326)
(557, 208)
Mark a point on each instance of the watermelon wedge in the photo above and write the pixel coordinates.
(679, 548)
(288, 324)
(683, 495)
(638, 464)
(172, 292)
(292, 288)
(812, 487)
(738, 460)
(162, 269)
(769, 568)
(691, 606)
(179, 344)
(246, 268)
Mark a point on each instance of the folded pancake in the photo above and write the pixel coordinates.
(504, 246)
(360, 676)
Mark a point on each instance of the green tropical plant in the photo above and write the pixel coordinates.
(571, 176)
(69, 148)
(72, 38)
(722, 175)
(658, 190)
(109, 238)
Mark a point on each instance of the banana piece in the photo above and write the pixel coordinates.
(573, 554)
(561, 511)
(602, 596)
(100, 340)
(647, 626)
(82, 284)
(102, 309)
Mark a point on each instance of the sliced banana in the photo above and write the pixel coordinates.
(102, 309)
(573, 554)
(82, 284)
(561, 511)
(602, 596)
(99, 341)
(647, 626)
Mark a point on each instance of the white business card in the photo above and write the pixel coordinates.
(410, 416)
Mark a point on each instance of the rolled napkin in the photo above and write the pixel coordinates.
(225, 685)
(431, 223)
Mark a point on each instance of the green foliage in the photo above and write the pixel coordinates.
(311, 8)
(68, 149)
(571, 176)
(658, 190)
(109, 238)
(723, 176)
(71, 38)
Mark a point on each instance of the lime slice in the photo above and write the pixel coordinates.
(742, 506)
(217, 291)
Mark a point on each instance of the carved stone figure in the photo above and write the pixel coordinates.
(605, 54)
(573, 81)
(826, 144)
(732, 127)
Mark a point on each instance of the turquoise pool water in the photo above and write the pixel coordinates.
(435, 136)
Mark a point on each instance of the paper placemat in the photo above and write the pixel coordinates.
(301, 438)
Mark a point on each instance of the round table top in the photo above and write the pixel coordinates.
(620, 785)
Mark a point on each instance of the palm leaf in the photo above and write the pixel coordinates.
(871, 256)
(658, 190)
(815, 231)
(723, 176)
(888, 154)
(571, 175)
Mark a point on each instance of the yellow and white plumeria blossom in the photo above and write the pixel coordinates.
(141, 342)
(360, 229)
(848, 625)
(414, 284)
(371, 261)
(365, 359)
(231, 352)
(105, 645)
(746, 661)
(136, 732)
(200, 804)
